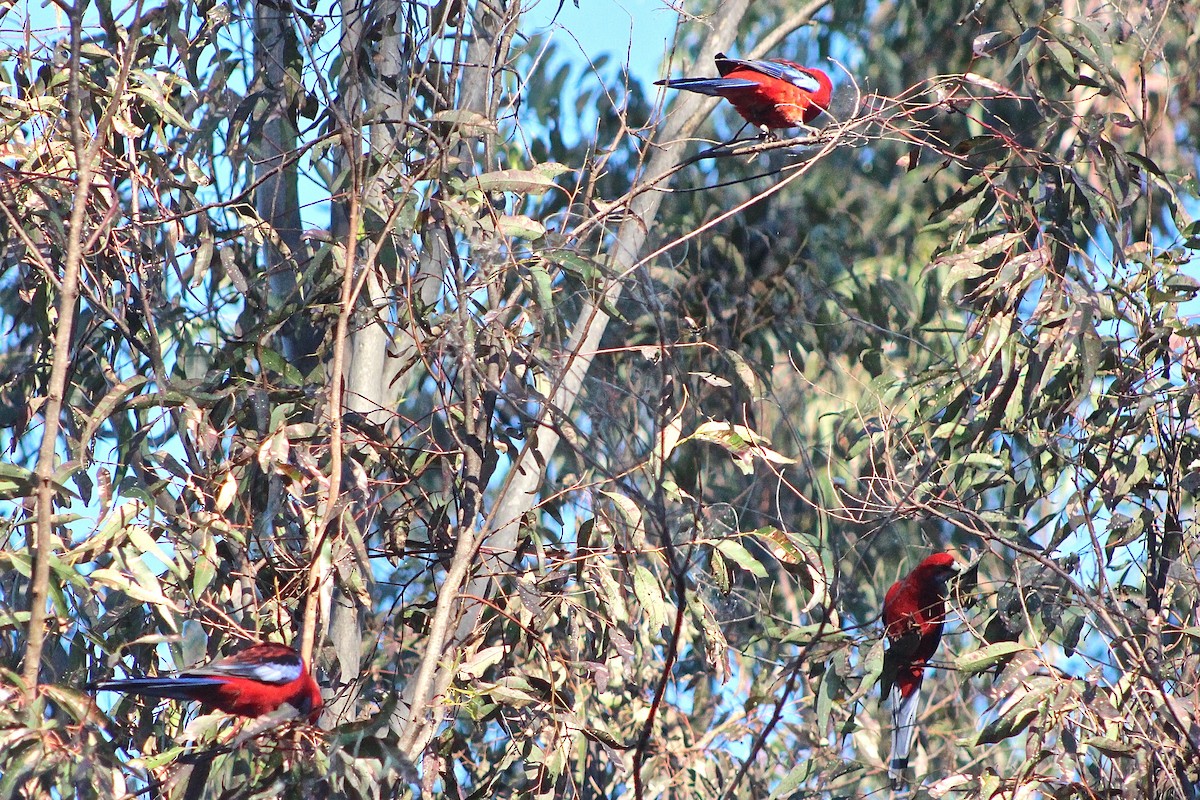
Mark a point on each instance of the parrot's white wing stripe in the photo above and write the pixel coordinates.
(277, 671)
(773, 69)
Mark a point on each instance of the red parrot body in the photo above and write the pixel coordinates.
(914, 610)
(769, 94)
(250, 683)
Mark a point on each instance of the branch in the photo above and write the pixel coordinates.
(519, 492)
(86, 157)
(492, 28)
(784, 29)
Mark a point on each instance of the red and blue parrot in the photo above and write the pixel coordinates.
(914, 610)
(769, 94)
(249, 683)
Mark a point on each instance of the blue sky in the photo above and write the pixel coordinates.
(641, 30)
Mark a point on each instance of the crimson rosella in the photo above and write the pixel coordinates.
(769, 94)
(914, 610)
(249, 683)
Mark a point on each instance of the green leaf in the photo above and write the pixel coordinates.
(797, 776)
(152, 90)
(105, 408)
(720, 572)
(746, 375)
(517, 226)
(984, 657)
(650, 597)
(716, 646)
(1007, 726)
(139, 536)
(469, 123)
(22, 756)
(800, 558)
(543, 291)
(475, 666)
(145, 588)
(738, 554)
(781, 545)
(742, 442)
(16, 481)
(580, 267)
(1018, 711)
(872, 666)
(522, 181)
(628, 509)
(16, 620)
(273, 361)
(513, 690)
(1113, 748)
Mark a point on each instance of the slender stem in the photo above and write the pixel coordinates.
(86, 156)
(351, 287)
